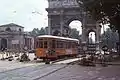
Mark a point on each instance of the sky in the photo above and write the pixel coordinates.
(27, 13)
(77, 24)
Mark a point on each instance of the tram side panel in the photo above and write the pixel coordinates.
(62, 49)
(60, 53)
(40, 53)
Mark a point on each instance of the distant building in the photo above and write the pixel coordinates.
(13, 37)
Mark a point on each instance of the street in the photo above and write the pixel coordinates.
(59, 72)
(15, 70)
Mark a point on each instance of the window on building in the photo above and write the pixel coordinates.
(20, 30)
(8, 29)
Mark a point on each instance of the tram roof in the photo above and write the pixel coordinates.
(57, 37)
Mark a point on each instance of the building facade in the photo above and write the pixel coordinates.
(62, 12)
(13, 37)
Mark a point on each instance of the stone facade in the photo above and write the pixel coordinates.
(13, 37)
(62, 12)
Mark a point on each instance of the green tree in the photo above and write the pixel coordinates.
(74, 33)
(34, 32)
(105, 11)
(41, 31)
(110, 38)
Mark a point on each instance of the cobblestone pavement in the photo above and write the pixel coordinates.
(30, 73)
(9, 65)
(76, 72)
(62, 72)
(14, 70)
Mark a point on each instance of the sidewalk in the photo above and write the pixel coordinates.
(68, 61)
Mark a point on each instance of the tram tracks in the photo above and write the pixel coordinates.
(49, 73)
(35, 72)
(43, 66)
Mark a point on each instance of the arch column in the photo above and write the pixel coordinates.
(83, 28)
(49, 25)
(61, 23)
(98, 34)
(83, 35)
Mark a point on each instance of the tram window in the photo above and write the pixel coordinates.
(37, 44)
(41, 44)
(45, 44)
(73, 45)
(61, 44)
(45, 38)
(65, 45)
(69, 45)
(40, 39)
(57, 44)
(53, 43)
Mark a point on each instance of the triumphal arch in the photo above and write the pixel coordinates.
(62, 12)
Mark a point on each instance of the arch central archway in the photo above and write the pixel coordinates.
(76, 24)
(61, 15)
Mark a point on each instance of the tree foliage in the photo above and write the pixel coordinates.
(74, 33)
(110, 38)
(104, 10)
(44, 31)
(36, 32)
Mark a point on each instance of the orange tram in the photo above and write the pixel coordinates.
(54, 47)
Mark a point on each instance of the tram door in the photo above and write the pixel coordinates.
(3, 43)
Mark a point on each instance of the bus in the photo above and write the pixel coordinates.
(54, 47)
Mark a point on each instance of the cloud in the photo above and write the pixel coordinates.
(20, 12)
